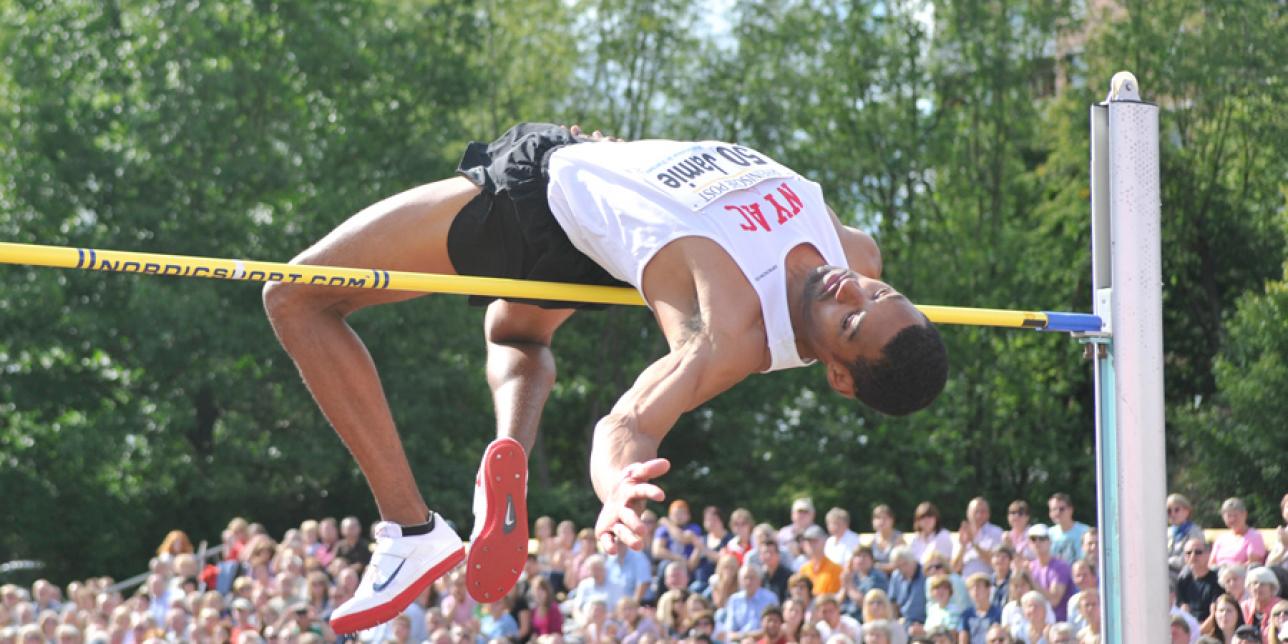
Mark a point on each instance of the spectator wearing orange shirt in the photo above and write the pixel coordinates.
(822, 572)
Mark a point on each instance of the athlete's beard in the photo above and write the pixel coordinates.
(812, 292)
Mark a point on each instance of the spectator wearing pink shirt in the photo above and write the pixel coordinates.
(1017, 515)
(1242, 545)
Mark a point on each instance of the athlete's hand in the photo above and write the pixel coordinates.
(594, 136)
(620, 521)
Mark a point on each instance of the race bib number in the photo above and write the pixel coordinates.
(704, 172)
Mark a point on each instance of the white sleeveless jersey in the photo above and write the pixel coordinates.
(620, 203)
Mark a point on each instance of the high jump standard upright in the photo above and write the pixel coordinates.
(1127, 279)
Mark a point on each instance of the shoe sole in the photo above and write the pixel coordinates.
(496, 557)
(377, 615)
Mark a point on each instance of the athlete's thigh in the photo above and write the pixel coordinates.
(517, 322)
(405, 232)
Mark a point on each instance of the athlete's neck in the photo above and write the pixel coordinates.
(801, 262)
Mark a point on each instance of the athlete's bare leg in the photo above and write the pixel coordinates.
(520, 365)
(406, 232)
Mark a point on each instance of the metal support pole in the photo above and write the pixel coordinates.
(1127, 277)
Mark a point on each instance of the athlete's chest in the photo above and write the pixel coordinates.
(694, 287)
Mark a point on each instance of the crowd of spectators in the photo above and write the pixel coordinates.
(725, 582)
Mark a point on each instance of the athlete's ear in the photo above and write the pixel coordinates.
(838, 376)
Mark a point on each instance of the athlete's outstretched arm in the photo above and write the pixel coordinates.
(623, 457)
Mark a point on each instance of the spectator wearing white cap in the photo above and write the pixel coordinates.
(1242, 544)
(802, 518)
(1053, 576)
(1180, 529)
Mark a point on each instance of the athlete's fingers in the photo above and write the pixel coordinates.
(649, 469)
(647, 491)
(628, 537)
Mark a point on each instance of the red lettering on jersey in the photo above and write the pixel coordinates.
(754, 210)
(792, 200)
(750, 226)
(783, 213)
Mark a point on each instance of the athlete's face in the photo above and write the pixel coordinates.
(850, 316)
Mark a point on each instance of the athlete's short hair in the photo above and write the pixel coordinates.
(909, 375)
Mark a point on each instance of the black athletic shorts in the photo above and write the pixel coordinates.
(508, 229)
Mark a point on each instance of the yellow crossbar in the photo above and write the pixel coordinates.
(256, 271)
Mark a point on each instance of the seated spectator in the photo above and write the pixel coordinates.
(1278, 555)
(672, 613)
(497, 622)
(456, 605)
(877, 608)
(776, 574)
(1032, 628)
(841, 540)
(1242, 544)
(635, 625)
(741, 615)
(1017, 516)
(1198, 585)
(710, 546)
(584, 548)
(629, 573)
(1053, 576)
(1091, 546)
(1061, 633)
(794, 619)
(878, 631)
(998, 634)
(908, 587)
(176, 542)
(670, 575)
(831, 621)
(1247, 633)
(546, 616)
(884, 537)
(594, 585)
(935, 563)
(677, 538)
(801, 589)
(702, 624)
(328, 539)
(1084, 578)
(1263, 588)
(771, 626)
(1225, 617)
(591, 623)
(823, 573)
(930, 533)
(1278, 622)
(976, 541)
(860, 576)
(1180, 529)
(1065, 532)
(724, 583)
(741, 523)
(1232, 578)
(1013, 613)
(939, 614)
(1089, 609)
(974, 622)
(1003, 565)
(802, 518)
(1191, 625)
